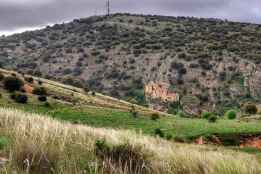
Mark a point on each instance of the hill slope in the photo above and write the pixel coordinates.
(67, 103)
(202, 63)
(71, 96)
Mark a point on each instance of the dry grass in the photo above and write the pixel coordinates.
(42, 145)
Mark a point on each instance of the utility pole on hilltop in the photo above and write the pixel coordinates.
(108, 5)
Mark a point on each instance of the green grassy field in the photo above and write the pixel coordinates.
(174, 126)
(51, 146)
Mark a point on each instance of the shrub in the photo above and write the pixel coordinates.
(250, 108)
(40, 82)
(134, 114)
(212, 119)
(29, 79)
(101, 146)
(1, 76)
(13, 96)
(182, 114)
(206, 115)
(159, 132)
(42, 98)
(124, 156)
(154, 116)
(19, 98)
(3, 142)
(12, 83)
(86, 89)
(39, 91)
(169, 136)
(231, 114)
(47, 104)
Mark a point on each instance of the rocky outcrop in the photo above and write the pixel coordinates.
(160, 91)
(252, 142)
(28, 89)
(255, 84)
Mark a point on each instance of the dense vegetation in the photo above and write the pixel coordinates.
(212, 64)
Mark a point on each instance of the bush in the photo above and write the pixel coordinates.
(42, 98)
(12, 83)
(47, 104)
(40, 82)
(159, 132)
(29, 79)
(39, 91)
(1, 76)
(231, 114)
(3, 142)
(206, 115)
(182, 114)
(101, 146)
(250, 108)
(212, 119)
(123, 156)
(86, 89)
(169, 136)
(154, 116)
(19, 98)
(13, 96)
(133, 112)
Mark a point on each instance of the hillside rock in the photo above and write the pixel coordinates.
(160, 91)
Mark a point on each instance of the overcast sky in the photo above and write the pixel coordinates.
(20, 15)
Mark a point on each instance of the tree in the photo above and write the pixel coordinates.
(39, 91)
(231, 114)
(12, 83)
(42, 98)
(19, 98)
(206, 115)
(154, 116)
(250, 108)
(159, 132)
(29, 79)
(212, 119)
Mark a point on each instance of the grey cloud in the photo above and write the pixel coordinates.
(32, 13)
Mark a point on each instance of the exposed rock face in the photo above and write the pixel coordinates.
(160, 91)
(28, 89)
(252, 142)
(255, 84)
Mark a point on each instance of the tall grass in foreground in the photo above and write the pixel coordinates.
(41, 145)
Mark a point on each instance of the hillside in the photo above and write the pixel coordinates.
(71, 104)
(69, 95)
(167, 63)
(48, 127)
